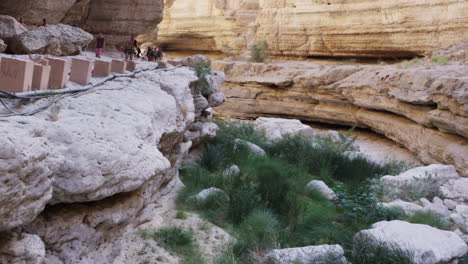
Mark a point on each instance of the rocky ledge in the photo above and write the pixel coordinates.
(79, 175)
(420, 105)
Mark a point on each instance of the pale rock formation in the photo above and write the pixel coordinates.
(455, 189)
(419, 179)
(460, 217)
(58, 40)
(9, 27)
(315, 28)
(322, 188)
(3, 46)
(250, 146)
(429, 245)
(101, 160)
(424, 108)
(276, 128)
(407, 207)
(206, 193)
(436, 207)
(232, 171)
(305, 255)
(23, 248)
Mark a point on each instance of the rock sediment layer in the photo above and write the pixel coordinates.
(424, 107)
(316, 28)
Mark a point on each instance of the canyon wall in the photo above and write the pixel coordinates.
(117, 19)
(357, 28)
(77, 177)
(422, 106)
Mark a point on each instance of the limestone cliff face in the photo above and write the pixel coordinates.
(370, 28)
(76, 177)
(115, 18)
(422, 107)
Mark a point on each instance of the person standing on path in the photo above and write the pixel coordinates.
(100, 44)
(129, 48)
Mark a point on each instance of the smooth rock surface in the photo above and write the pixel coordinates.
(251, 146)
(277, 128)
(455, 189)
(407, 207)
(234, 170)
(206, 193)
(9, 27)
(367, 28)
(429, 245)
(306, 255)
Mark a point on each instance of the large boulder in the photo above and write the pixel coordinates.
(460, 217)
(250, 146)
(322, 188)
(3, 46)
(191, 61)
(206, 193)
(420, 181)
(58, 40)
(276, 128)
(9, 27)
(305, 255)
(423, 243)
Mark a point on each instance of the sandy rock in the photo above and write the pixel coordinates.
(391, 100)
(59, 40)
(276, 128)
(3, 46)
(231, 171)
(23, 248)
(321, 187)
(407, 207)
(251, 146)
(455, 189)
(429, 245)
(305, 255)
(9, 27)
(420, 179)
(291, 28)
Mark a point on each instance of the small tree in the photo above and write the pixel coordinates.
(259, 52)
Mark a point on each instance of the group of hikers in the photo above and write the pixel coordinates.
(131, 49)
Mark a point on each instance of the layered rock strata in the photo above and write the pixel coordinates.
(423, 107)
(315, 28)
(115, 18)
(81, 174)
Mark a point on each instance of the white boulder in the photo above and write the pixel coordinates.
(251, 146)
(216, 99)
(9, 27)
(407, 207)
(3, 46)
(306, 255)
(204, 194)
(420, 180)
(234, 170)
(460, 217)
(455, 189)
(427, 244)
(276, 128)
(322, 188)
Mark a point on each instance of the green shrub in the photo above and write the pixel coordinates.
(428, 218)
(181, 215)
(259, 52)
(441, 60)
(202, 70)
(260, 229)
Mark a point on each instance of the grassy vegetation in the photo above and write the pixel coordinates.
(367, 252)
(179, 242)
(441, 60)
(428, 218)
(259, 52)
(268, 204)
(202, 70)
